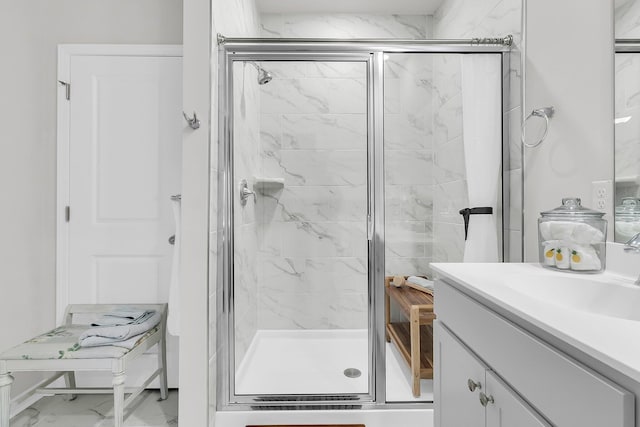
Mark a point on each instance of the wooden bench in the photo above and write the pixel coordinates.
(413, 338)
(58, 351)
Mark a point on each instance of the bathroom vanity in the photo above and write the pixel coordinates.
(519, 345)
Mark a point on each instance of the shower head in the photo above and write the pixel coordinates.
(264, 76)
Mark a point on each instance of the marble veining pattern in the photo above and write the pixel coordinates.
(343, 26)
(409, 90)
(627, 104)
(246, 161)
(312, 232)
(95, 411)
(312, 133)
(626, 22)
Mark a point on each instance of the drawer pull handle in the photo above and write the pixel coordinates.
(473, 385)
(485, 400)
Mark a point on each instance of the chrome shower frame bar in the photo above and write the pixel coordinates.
(371, 52)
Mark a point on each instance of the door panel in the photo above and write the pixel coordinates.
(125, 163)
(508, 409)
(456, 405)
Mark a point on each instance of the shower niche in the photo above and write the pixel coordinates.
(357, 161)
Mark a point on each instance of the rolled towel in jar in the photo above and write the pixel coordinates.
(550, 248)
(585, 258)
(563, 253)
(584, 234)
(578, 232)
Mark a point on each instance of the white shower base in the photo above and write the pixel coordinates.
(304, 362)
(313, 362)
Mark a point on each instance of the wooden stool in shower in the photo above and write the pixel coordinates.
(414, 337)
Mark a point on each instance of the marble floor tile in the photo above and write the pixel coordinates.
(95, 411)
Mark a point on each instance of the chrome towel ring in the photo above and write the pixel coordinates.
(546, 113)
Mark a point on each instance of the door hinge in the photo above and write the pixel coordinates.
(67, 89)
(67, 213)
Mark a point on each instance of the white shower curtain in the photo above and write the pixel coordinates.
(173, 318)
(481, 122)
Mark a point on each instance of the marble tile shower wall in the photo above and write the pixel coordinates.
(627, 146)
(467, 19)
(627, 93)
(314, 243)
(409, 172)
(246, 217)
(313, 133)
(450, 185)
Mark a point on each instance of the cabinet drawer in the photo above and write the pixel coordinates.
(566, 392)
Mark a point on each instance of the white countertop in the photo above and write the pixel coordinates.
(613, 340)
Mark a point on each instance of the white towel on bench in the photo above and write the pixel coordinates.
(122, 317)
(115, 335)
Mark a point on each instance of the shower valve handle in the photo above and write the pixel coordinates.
(245, 193)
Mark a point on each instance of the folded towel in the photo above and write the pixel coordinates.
(584, 258)
(577, 232)
(421, 281)
(123, 317)
(122, 332)
(96, 341)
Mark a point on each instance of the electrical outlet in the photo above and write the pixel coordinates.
(601, 194)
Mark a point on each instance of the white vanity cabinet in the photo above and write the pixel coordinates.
(469, 394)
(530, 382)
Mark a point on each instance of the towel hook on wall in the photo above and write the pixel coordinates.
(546, 113)
(194, 123)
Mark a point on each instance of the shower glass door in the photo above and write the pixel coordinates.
(443, 153)
(300, 277)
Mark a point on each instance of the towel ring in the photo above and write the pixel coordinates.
(546, 113)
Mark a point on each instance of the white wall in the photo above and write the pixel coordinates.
(569, 65)
(194, 357)
(30, 31)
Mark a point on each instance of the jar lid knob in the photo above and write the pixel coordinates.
(571, 201)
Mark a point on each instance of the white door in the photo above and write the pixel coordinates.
(124, 161)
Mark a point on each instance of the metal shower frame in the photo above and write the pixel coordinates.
(371, 52)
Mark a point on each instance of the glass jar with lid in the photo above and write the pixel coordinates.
(572, 238)
(627, 219)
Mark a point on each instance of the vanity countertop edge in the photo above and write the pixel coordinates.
(610, 341)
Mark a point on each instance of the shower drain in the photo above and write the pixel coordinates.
(352, 373)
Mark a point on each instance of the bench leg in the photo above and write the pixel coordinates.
(70, 381)
(162, 364)
(5, 398)
(118, 398)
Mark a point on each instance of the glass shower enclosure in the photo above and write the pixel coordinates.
(342, 163)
